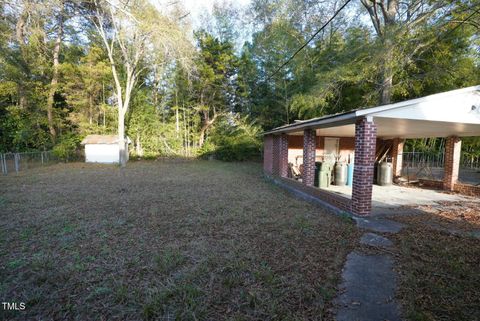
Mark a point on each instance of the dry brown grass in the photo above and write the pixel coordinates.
(438, 262)
(192, 240)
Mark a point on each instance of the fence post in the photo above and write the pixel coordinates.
(2, 160)
(41, 156)
(16, 157)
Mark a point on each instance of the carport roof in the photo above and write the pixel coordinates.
(455, 112)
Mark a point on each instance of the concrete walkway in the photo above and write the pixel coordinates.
(368, 289)
(369, 282)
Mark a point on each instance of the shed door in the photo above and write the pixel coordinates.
(331, 146)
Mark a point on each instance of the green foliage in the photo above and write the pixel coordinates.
(235, 139)
(67, 147)
(185, 107)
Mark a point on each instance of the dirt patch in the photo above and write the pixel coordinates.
(187, 240)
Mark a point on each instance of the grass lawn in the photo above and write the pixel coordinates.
(438, 262)
(192, 240)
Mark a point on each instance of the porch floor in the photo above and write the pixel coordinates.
(392, 197)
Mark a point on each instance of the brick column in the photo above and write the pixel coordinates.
(268, 154)
(365, 145)
(453, 149)
(309, 147)
(397, 156)
(280, 155)
(275, 155)
(283, 157)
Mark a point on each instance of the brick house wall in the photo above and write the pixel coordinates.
(279, 155)
(268, 154)
(295, 148)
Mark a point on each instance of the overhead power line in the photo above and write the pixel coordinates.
(309, 40)
(461, 23)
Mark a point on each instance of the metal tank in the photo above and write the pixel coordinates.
(385, 174)
(341, 173)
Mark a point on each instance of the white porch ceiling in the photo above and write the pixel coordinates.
(456, 112)
(404, 128)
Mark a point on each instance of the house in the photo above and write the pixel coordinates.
(103, 148)
(359, 136)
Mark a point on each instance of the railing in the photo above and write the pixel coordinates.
(16, 162)
(421, 159)
(472, 162)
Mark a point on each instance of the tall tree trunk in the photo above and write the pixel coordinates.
(387, 74)
(20, 35)
(90, 109)
(207, 123)
(383, 15)
(54, 82)
(121, 138)
(177, 122)
(138, 146)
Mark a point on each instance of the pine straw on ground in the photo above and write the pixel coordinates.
(438, 262)
(160, 240)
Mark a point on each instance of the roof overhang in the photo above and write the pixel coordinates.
(456, 112)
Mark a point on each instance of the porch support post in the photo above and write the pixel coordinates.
(280, 155)
(309, 147)
(275, 155)
(268, 154)
(453, 149)
(283, 157)
(397, 156)
(365, 147)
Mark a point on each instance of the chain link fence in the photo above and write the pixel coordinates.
(16, 162)
(421, 159)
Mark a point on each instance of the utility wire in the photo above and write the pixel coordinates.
(460, 24)
(309, 40)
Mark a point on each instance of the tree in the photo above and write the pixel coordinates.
(136, 30)
(214, 87)
(394, 20)
(86, 85)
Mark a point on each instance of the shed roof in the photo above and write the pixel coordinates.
(100, 139)
(455, 112)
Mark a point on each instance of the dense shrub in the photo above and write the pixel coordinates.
(234, 139)
(67, 147)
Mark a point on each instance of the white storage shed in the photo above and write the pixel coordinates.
(103, 149)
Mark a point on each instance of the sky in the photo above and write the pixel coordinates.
(197, 7)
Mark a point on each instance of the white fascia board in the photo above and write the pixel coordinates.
(343, 119)
(461, 108)
(435, 97)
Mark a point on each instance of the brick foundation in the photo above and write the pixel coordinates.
(365, 146)
(397, 156)
(340, 202)
(453, 148)
(309, 147)
(465, 189)
(430, 183)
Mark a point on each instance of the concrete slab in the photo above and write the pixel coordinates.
(367, 289)
(376, 240)
(378, 225)
(393, 196)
